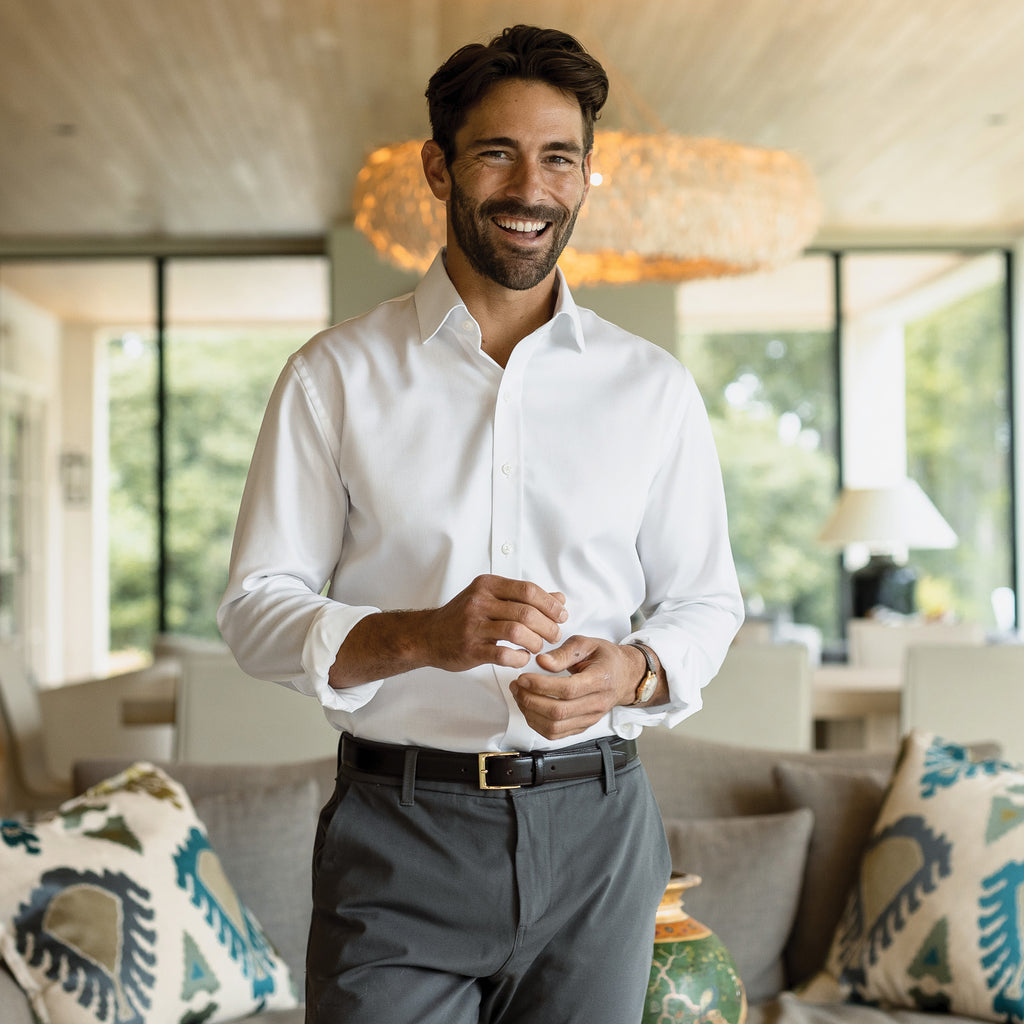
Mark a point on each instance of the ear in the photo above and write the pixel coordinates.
(435, 170)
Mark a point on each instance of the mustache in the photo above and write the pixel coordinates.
(510, 208)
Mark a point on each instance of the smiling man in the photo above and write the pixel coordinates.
(544, 163)
(459, 506)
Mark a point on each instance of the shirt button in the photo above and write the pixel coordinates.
(507, 397)
(507, 469)
(467, 325)
(506, 548)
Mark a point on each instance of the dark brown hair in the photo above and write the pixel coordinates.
(540, 54)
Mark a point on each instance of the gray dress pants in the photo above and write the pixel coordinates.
(485, 907)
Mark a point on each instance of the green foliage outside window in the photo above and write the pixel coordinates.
(218, 383)
(769, 396)
(132, 517)
(770, 400)
(958, 437)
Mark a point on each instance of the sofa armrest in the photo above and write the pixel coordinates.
(14, 1007)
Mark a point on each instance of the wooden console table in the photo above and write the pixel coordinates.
(855, 706)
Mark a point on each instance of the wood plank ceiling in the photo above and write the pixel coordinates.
(212, 118)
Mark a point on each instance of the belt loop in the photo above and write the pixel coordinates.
(538, 768)
(610, 785)
(409, 777)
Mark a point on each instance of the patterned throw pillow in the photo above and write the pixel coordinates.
(935, 920)
(116, 910)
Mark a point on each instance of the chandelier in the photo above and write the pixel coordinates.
(662, 207)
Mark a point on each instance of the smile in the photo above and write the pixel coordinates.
(522, 226)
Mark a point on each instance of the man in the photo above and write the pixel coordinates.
(489, 481)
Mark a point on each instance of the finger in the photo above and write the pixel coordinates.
(555, 718)
(529, 634)
(489, 613)
(524, 625)
(536, 688)
(507, 657)
(583, 690)
(573, 652)
(550, 605)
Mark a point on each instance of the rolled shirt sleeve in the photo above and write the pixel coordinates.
(287, 542)
(693, 606)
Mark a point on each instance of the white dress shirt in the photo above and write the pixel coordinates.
(397, 462)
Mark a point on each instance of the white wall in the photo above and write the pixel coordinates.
(29, 362)
(84, 432)
(56, 366)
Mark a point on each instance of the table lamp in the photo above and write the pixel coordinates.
(887, 521)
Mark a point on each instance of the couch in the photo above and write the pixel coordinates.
(776, 838)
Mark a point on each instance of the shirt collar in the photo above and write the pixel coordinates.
(437, 300)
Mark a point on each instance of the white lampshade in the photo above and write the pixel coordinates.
(901, 516)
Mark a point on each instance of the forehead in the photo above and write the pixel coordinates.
(525, 111)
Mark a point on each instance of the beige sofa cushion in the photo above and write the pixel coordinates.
(845, 805)
(751, 870)
(694, 778)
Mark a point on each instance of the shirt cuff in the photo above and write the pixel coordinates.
(326, 634)
(685, 673)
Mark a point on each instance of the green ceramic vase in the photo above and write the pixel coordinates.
(693, 976)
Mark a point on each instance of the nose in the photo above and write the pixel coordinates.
(525, 181)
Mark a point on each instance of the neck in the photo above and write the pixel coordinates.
(505, 316)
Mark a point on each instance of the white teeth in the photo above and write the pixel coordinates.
(520, 225)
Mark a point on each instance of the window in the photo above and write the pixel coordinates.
(926, 347)
(133, 553)
(57, 317)
(762, 351)
(231, 326)
(124, 444)
(923, 371)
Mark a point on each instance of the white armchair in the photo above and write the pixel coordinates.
(47, 730)
(873, 644)
(227, 716)
(761, 697)
(967, 693)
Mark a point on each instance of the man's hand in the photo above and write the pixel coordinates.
(465, 632)
(602, 675)
(459, 635)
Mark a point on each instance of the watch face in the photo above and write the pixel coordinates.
(646, 688)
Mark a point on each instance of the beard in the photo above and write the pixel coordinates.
(517, 271)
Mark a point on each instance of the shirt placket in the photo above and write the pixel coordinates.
(506, 479)
(508, 530)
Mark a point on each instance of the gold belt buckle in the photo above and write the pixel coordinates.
(482, 762)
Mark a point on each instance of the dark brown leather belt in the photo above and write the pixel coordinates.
(490, 770)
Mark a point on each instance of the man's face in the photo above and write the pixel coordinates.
(518, 181)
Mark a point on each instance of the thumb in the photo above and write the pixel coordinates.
(561, 659)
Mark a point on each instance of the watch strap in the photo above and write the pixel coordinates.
(649, 681)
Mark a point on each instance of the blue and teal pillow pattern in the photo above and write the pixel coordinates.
(117, 911)
(936, 919)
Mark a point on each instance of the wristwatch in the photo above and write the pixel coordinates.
(646, 687)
